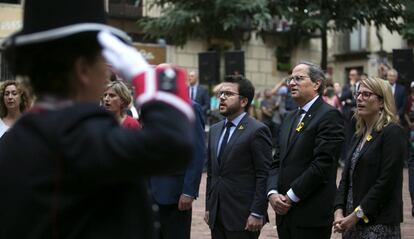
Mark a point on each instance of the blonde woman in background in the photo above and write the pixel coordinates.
(116, 100)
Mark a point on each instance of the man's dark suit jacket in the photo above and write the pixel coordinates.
(76, 173)
(238, 184)
(377, 177)
(167, 189)
(203, 98)
(400, 98)
(308, 164)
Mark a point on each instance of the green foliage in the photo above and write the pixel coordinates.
(206, 19)
(340, 15)
(408, 29)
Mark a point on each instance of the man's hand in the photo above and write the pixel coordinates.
(206, 216)
(281, 204)
(185, 202)
(338, 216)
(254, 224)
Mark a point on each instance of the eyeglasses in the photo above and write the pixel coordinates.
(365, 95)
(296, 79)
(226, 94)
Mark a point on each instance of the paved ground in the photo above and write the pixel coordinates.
(200, 230)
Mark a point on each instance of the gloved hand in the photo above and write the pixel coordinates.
(165, 83)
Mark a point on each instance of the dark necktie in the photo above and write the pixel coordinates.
(295, 124)
(192, 92)
(229, 124)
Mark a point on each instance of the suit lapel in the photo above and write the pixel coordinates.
(367, 145)
(216, 138)
(306, 120)
(240, 128)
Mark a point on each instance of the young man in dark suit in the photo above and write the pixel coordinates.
(174, 193)
(239, 155)
(301, 185)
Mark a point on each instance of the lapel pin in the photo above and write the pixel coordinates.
(241, 127)
(369, 137)
(300, 127)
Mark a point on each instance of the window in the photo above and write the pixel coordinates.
(10, 1)
(5, 73)
(358, 39)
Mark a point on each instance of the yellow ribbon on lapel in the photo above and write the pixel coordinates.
(300, 127)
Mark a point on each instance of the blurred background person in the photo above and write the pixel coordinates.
(330, 97)
(399, 94)
(348, 108)
(254, 109)
(338, 89)
(198, 93)
(214, 114)
(364, 76)
(175, 193)
(14, 101)
(116, 99)
(268, 107)
(409, 118)
(369, 198)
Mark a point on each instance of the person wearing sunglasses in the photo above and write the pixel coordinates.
(368, 203)
(302, 180)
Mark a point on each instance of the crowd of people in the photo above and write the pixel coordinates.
(93, 166)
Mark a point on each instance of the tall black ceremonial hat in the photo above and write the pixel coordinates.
(47, 20)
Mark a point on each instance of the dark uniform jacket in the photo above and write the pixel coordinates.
(75, 173)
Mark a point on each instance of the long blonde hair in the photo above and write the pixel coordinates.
(387, 113)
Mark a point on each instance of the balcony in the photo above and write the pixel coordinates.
(125, 9)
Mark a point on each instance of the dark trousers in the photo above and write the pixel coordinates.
(174, 223)
(287, 229)
(219, 232)
(411, 176)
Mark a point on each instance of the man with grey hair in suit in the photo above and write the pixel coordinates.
(302, 181)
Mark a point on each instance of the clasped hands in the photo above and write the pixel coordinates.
(342, 224)
(280, 203)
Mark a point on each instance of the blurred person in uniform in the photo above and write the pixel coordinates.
(80, 174)
(14, 101)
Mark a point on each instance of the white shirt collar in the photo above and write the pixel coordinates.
(237, 120)
(308, 105)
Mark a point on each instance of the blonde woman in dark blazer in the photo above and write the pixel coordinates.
(369, 198)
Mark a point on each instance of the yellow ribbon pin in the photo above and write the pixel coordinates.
(300, 126)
